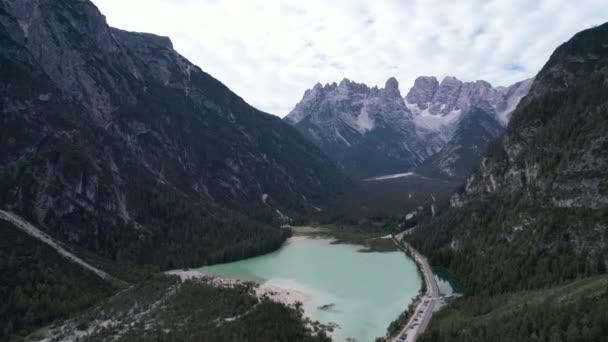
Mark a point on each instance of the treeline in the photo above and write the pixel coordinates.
(169, 310)
(178, 232)
(167, 229)
(38, 286)
(571, 313)
(547, 227)
(504, 243)
(382, 205)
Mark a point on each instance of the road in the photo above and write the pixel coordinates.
(27, 227)
(429, 303)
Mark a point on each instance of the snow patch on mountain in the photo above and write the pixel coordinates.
(364, 122)
(361, 127)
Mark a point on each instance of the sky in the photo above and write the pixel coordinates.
(270, 51)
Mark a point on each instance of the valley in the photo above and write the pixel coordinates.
(142, 199)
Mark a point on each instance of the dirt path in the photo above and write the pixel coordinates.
(43, 237)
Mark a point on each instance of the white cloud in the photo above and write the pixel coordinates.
(269, 52)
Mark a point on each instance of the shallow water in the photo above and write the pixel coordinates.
(367, 290)
(446, 283)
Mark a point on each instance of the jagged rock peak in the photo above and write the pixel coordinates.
(139, 39)
(391, 84)
(345, 121)
(429, 97)
(423, 91)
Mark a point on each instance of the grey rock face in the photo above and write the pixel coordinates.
(105, 118)
(423, 91)
(437, 116)
(428, 98)
(369, 131)
(346, 119)
(463, 152)
(552, 148)
(446, 97)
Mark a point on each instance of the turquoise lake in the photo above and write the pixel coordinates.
(367, 290)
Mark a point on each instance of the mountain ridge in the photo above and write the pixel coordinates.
(535, 210)
(104, 130)
(395, 134)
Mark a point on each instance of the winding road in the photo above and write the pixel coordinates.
(429, 303)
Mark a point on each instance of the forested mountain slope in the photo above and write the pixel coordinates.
(39, 285)
(535, 214)
(115, 142)
(574, 311)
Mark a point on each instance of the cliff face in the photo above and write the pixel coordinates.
(368, 131)
(371, 131)
(104, 129)
(461, 154)
(440, 99)
(554, 149)
(535, 212)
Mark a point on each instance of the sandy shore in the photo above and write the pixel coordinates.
(305, 230)
(283, 295)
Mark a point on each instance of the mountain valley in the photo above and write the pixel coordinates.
(141, 199)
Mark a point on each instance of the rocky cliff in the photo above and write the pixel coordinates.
(535, 212)
(368, 131)
(114, 141)
(463, 152)
(554, 149)
(371, 131)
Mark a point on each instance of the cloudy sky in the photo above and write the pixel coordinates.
(270, 51)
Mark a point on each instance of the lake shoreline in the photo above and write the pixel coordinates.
(339, 285)
(280, 294)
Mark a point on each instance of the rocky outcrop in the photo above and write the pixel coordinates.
(553, 149)
(453, 97)
(462, 154)
(105, 131)
(368, 131)
(371, 131)
(534, 213)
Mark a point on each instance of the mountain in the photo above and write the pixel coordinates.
(535, 213)
(554, 148)
(368, 131)
(371, 131)
(448, 115)
(39, 285)
(451, 97)
(113, 141)
(461, 154)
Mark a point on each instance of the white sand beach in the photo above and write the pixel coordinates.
(288, 296)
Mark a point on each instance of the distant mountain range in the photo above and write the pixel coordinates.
(375, 131)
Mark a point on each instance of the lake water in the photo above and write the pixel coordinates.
(368, 290)
(446, 283)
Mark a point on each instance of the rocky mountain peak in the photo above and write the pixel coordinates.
(453, 97)
(355, 116)
(560, 116)
(392, 85)
(423, 91)
(143, 122)
(345, 83)
(140, 40)
(339, 117)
